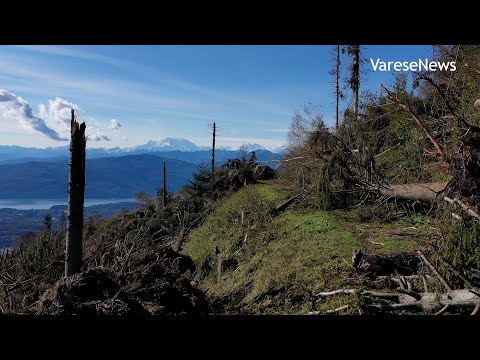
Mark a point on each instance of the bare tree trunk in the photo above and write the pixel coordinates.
(164, 184)
(427, 192)
(356, 79)
(337, 78)
(213, 149)
(76, 196)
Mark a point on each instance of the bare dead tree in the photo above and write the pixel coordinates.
(76, 196)
(213, 149)
(337, 84)
(354, 52)
(335, 72)
(164, 183)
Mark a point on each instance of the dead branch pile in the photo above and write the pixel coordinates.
(412, 293)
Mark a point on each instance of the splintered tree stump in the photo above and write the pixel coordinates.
(76, 195)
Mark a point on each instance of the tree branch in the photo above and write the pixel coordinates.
(447, 103)
(464, 206)
(435, 271)
(438, 147)
(457, 273)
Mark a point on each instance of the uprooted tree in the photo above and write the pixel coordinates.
(407, 147)
(411, 149)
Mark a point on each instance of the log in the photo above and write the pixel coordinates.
(426, 192)
(461, 297)
(335, 292)
(400, 297)
(341, 308)
(428, 301)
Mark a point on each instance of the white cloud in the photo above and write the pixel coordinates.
(58, 115)
(279, 130)
(115, 124)
(53, 119)
(13, 107)
(99, 137)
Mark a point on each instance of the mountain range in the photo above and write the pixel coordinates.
(15, 154)
(31, 173)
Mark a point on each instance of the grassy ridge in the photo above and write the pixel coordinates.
(274, 265)
(293, 254)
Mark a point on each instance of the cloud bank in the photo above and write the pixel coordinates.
(15, 108)
(53, 119)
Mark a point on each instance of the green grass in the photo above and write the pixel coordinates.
(290, 254)
(278, 263)
(269, 194)
(387, 237)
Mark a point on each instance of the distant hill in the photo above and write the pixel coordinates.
(113, 177)
(16, 222)
(221, 156)
(20, 155)
(11, 154)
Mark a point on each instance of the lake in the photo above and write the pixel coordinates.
(29, 204)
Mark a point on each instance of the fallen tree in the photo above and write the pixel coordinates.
(406, 296)
(427, 192)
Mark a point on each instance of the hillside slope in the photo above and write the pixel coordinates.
(274, 265)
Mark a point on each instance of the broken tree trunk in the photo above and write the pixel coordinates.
(406, 297)
(427, 192)
(76, 194)
(427, 301)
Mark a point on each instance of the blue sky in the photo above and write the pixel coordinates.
(129, 95)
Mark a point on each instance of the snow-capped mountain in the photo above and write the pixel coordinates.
(10, 154)
(250, 147)
(279, 149)
(168, 144)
